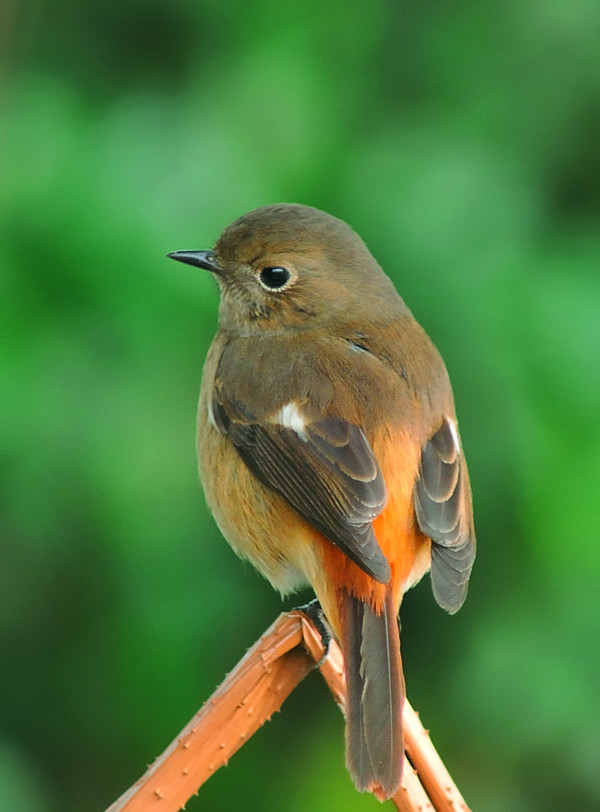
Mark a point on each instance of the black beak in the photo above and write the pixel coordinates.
(200, 259)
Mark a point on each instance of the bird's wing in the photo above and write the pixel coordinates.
(325, 469)
(443, 506)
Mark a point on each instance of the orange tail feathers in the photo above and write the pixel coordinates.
(375, 694)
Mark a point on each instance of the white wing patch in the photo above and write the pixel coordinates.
(454, 433)
(290, 417)
(211, 415)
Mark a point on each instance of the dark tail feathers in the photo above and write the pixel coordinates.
(375, 694)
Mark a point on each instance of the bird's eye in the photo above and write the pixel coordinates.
(275, 278)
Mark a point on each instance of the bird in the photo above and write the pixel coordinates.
(329, 450)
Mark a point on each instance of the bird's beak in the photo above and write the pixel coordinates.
(201, 259)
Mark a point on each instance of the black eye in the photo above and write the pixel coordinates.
(275, 278)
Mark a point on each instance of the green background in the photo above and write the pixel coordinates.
(461, 140)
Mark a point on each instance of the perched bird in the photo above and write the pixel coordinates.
(329, 450)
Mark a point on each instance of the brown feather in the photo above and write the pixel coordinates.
(336, 485)
(443, 507)
(375, 694)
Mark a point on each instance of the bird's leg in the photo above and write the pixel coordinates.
(315, 614)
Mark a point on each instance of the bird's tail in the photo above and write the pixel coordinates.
(375, 694)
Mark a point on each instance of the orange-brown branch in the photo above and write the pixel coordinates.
(249, 695)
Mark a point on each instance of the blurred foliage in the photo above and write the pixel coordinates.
(461, 141)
